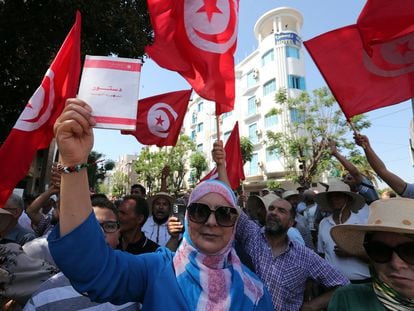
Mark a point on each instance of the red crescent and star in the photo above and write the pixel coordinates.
(210, 7)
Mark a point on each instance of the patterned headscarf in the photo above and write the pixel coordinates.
(389, 297)
(219, 281)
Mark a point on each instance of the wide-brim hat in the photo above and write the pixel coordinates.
(6, 219)
(158, 195)
(255, 200)
(389, 215)
(321, 198)
(290, 193)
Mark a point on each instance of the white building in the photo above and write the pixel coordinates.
(278, 62)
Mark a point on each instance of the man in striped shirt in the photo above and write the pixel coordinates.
(58, 294)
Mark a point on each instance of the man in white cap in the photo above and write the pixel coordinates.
(344, 204)
(387, 240)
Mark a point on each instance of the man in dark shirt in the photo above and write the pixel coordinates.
(133, 213)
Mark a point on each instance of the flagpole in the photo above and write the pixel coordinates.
(218, 126)
(352, 126)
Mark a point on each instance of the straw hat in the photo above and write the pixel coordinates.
(357, 203)
(254, 201)
(158, 195)
(390, 215)
(5, 219)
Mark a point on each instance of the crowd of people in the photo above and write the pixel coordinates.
(345, 248)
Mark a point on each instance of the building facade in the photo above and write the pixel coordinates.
(277, 63)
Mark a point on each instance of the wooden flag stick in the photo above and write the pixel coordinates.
(352, 127)
(218, 126)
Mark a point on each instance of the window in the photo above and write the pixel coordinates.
(269, 87)
(226, 135)
(200, 106)
(295, 116)
(200, 127)
(268, 57)
(292, 52)
(254, 165)
(271, 120)
(251, 78)
(200, 147)
(296, 82)
(252, 133)
(251, 106)
(271, 155)
(194, 118)
(193, 135)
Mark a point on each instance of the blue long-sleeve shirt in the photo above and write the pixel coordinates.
(119, 277)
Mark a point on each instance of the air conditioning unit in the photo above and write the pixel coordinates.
(257, 101)
(255, 74)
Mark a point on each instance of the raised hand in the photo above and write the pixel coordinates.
(361, 140)
(218, 153)
(332, 146)
(73, 132)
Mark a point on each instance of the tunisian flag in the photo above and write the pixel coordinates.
(360, 82)
(34, 128)
(159, 118)
(197, 39)
(234, 161)
(384, 20)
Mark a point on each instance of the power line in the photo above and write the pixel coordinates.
(391, 113)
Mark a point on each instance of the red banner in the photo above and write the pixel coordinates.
(160, 118)
(198, 39)
(34, 128)
(360, 82)
(234, 160)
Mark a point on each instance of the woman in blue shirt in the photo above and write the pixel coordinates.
(205, 272)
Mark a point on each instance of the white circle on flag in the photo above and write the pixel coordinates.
(392, 58)
(212, 28)
(32, 116)
(160, 118)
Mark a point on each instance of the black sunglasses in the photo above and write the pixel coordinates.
(109, 226)
(225, 216)
(382, 253)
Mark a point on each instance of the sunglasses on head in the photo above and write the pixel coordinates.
(382, 253)
(109, 226)
(226, 216)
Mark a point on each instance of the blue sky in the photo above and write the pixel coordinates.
(389, 133)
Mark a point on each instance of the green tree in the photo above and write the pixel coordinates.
(273, 184)
(97, 169)
(246, 149)
(119, 184)
(31, 33)
(149, 166)
(302, 142)
(198, 163)
(177, 156)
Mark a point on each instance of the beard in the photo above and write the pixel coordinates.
(273, 226)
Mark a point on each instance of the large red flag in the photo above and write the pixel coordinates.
(159, 118)
(360, 82)
(384, 20)
(197, 39)
(34, 128)
(234, 160)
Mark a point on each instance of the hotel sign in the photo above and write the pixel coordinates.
(289, 38)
